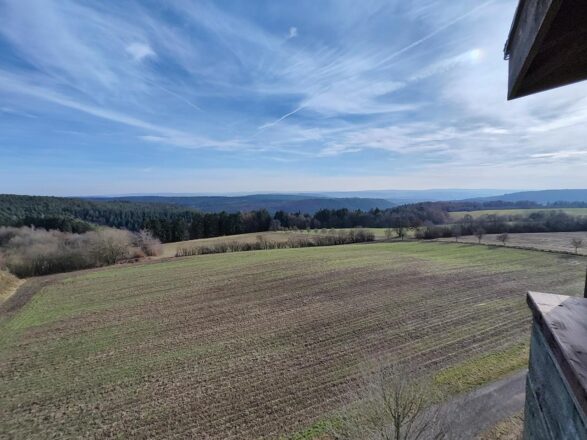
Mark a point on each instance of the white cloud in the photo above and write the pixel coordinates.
(140, 51)
(293, 32)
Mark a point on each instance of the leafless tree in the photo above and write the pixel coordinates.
(400, 231)
(109, 245)
(150, 245)
(275, 225)
(457, 232)
(388, 234)
(480, 233)
(577, 243)
(503, 238)
(391, 406)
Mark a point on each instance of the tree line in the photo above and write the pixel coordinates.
(170, 223)
(540, 221)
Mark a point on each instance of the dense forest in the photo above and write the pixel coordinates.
(271, 202)
(170, 223)
(16, 210)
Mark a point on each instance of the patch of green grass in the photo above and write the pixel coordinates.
(316, 431)
(511, 428)
(482, 369)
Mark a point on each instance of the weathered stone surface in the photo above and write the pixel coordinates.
(556, 383)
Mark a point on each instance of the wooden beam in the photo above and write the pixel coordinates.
(531, 24)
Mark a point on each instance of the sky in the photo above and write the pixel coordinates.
(120, 96)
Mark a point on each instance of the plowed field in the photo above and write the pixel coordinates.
(255, 344)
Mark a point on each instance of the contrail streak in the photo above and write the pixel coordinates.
(433, 34)
(287, 115)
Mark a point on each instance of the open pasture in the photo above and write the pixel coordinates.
(459, 215)
(548, 241)
(259, 344)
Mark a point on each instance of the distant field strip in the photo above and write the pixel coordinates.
(547, 241)
(170, 249)
(458, 215)
(258, 344)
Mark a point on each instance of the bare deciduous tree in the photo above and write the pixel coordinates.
(388, 234)
(400, 231)
(150, 245)
(480, 233)
(457, 232)
(275, 225)
(503, 238)
(109, 245)
(391, 406)
(577, 243)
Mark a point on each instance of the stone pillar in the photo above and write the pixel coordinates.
(556, 385)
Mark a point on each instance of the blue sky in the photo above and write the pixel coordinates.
(107, 97)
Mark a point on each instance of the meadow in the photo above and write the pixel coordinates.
(260, 344)
(459, 215)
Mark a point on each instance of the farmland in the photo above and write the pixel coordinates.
(170, 249)
(458, 215)
(260, 344)
(548, 241)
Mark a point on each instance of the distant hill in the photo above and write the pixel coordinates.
(405, 196)
(543, 197)
(290, 203)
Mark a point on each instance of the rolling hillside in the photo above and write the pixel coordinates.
(543, 196)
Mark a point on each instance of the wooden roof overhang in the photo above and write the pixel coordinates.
(547, 46)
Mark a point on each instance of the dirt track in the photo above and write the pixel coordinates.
(488, 405)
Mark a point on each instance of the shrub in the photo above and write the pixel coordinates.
(29, 251)
(333, 238)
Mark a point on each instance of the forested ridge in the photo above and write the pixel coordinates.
(171, 223)
(17, 210)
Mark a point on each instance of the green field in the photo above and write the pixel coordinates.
(169, 249)
(260, 344)
(458, 215)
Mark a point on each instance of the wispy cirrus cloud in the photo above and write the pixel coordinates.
(385, 86)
